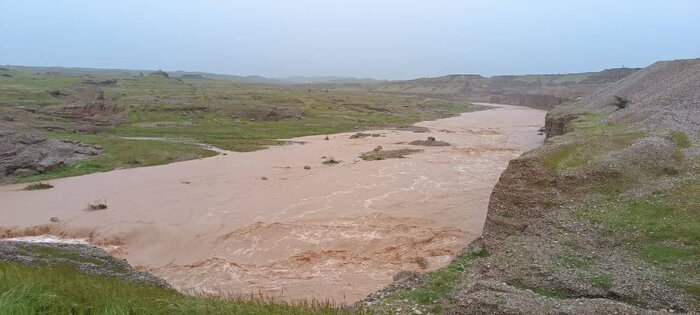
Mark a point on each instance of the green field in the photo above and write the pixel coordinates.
(223, 113)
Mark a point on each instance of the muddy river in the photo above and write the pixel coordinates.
(260, 223)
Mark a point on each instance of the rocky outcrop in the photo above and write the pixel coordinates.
(23, 154)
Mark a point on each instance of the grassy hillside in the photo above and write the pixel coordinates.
(103, 109)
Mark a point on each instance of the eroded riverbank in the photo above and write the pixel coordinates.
(332, 232)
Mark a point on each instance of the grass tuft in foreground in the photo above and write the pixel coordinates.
(62, 290)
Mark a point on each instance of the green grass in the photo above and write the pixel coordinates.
(603, 281)
(667, 254)
(651, 220)
(62, 290)
(593, 141)
(438, 284)
(681, 139)
(122, 153)
(589, 149)
(554, 159)
(663, 229)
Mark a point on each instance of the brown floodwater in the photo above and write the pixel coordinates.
(335, 232)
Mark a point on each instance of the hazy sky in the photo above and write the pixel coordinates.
(380, 39)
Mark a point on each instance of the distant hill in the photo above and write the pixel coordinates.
(535, 90)
(330, 80)
(560, 85)
(78, 72)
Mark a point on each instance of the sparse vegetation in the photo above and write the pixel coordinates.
(663, 229)
(591, 145)
(38, 186)
(603, 281)
(681, 139)
(433, 287)
(620, 102)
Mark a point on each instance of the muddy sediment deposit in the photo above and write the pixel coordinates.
(334, 232)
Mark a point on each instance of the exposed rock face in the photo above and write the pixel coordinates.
(23, 154)
(84, 105)
(525, 191)
(86, 259)
(556, 125)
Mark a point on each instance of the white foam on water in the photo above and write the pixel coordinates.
(48, 239)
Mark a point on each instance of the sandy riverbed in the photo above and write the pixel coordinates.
(333, 232)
